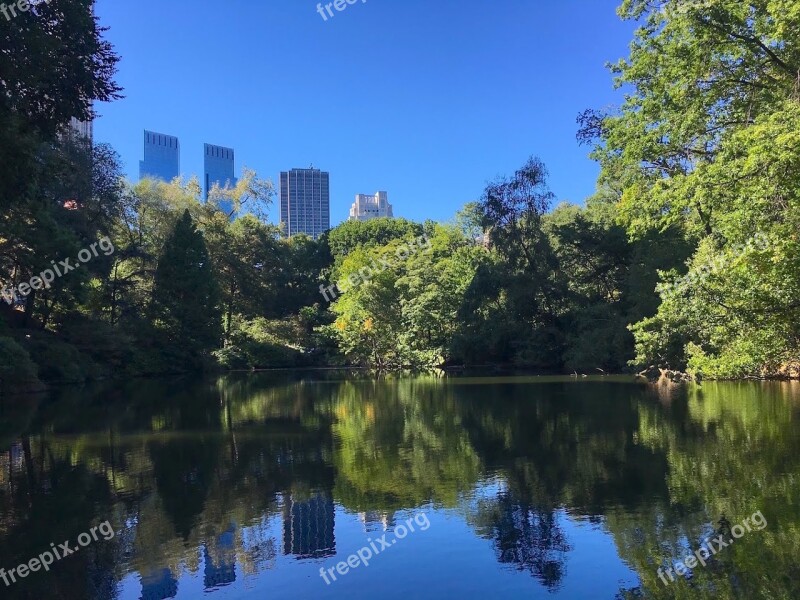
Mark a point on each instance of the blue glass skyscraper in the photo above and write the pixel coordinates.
(162, 157)
(220, 169)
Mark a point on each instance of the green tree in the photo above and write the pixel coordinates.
(433, 291)
(346, 237)
(706, 143)
(518, 300)
(185, 292)
(62, 65)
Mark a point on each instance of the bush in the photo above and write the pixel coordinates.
(17, 370)
(261, 343)
(103, 343)
(58, 361)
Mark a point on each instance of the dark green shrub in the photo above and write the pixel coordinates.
(17, 370)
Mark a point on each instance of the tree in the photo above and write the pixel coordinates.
(699, 72)
(520, 297)
(61, 66)
(706, 144)
(247, 258)
(56, 64)
(512, 210)
(348, 236)
(185, 293)
(433, 291)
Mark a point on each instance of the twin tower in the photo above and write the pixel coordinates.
(162, 160)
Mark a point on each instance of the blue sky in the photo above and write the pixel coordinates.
(427, 99)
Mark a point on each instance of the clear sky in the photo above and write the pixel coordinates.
(426, 99)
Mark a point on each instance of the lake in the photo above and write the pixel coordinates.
(325, 485)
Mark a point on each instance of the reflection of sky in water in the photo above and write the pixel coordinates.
(534, 488)
(446, 560)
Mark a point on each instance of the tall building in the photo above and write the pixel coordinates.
(368, 207)
(219, 167)
(219, 557)
(308, 526)
(83, 129)
(162, 157)
(305, 202)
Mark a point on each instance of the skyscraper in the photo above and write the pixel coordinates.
(368, 207)
(219, 556)
(219, 167)
(309, 526)
(305, 202)
(162, 157)
(82, 129)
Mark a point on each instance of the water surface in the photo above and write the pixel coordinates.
(253, 486)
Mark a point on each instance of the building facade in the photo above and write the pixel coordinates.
(305, 202)
(162, 157)
(308, 526)
(219, 168)
(368, 207)
(82, 129)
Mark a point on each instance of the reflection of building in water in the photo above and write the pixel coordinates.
(5, 470)
(220, 560)
(17, 456)
(159, 585)
(11, 461)
(308, 527)
(374, 520)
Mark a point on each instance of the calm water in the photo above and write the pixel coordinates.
(248, 486)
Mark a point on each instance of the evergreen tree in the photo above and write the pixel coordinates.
(185, 292)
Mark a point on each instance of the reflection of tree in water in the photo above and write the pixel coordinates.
(184, 472)
(174, 466)
(526, 536)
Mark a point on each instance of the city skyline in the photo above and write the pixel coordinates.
(437, 134)
(162, 161)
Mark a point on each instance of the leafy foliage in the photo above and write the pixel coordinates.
(707, 142)
(658, 268)
(185, 292)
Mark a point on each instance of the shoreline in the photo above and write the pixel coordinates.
(657, 377)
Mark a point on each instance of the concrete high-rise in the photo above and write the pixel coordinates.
(82, 129)
(218, 164)
(368, 207)
(305, 202)
(162, 157)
